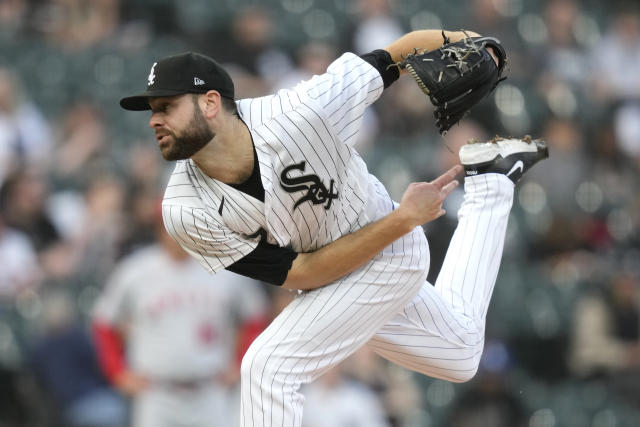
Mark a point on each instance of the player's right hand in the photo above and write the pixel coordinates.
(130, 383)
(422, 201)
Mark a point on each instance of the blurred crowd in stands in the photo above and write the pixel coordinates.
(80, 181)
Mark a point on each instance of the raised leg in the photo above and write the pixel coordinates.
(441, 332)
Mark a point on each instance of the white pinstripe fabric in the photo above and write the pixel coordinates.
(441, 332)
(438, 332)
(321, 328)
(316, 123)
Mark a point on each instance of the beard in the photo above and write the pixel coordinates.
(191, 140)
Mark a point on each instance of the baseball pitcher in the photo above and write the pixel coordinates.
(272, 188)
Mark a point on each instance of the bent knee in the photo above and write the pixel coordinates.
(254, 362)
(460, 367)
(467, 368)
(464, 375)
(266, 360)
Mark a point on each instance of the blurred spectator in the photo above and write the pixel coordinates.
(492, 18)
(65, 364)
(23, 205)
(402, 111)
(335, 401)
(616, 54)
(20, 269)
(606, 334)
(139, 229)
(311, 59)
(101, 230)
(25, 136)
(488, 17)
(177, 326)
(395, 388)
(145, 171)
(144, 182)
(77, 24)
(558, 65)
(564, 57)
(13, 411)
(489, 402)
(81, 150)
(250, 52)
(627, 128)
(375, 26)
(568, 165)
(13, 14)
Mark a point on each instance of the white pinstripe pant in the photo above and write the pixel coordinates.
(387, 304)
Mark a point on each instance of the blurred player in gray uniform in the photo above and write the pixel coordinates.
(273, 189)
(166, 334)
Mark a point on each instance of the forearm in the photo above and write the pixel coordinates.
(421, 203)
(348, 253)
(422, 39)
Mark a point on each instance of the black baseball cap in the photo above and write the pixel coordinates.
(187, 72)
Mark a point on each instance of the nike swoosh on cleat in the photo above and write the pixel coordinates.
(516, 166)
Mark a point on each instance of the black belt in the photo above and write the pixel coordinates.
(187, 385)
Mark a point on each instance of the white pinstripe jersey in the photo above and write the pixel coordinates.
(317, 187)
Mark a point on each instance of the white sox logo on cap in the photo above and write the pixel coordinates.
(152, 75)
(187, 72)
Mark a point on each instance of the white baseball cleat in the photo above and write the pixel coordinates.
(509, 156)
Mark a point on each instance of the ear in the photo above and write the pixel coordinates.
(210, 103)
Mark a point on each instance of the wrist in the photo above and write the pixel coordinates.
(401, 221)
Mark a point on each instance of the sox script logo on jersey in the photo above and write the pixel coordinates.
(317, 193)
(313, 178)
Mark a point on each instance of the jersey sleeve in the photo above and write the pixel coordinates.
(205, 238)
(343, 93)
(113, 306)
(110, 347)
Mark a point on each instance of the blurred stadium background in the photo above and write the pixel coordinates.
(80, 178)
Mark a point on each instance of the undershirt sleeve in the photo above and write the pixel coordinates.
(268, 263)
(381, 60)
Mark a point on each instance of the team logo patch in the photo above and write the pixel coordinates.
(317, 192)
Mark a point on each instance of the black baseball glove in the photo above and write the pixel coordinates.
(457, 75)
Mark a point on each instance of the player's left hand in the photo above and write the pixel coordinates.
(493, 55)
(457, 75)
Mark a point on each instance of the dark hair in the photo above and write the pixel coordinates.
(229, 105)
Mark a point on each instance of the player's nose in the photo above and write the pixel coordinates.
(155, 120)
